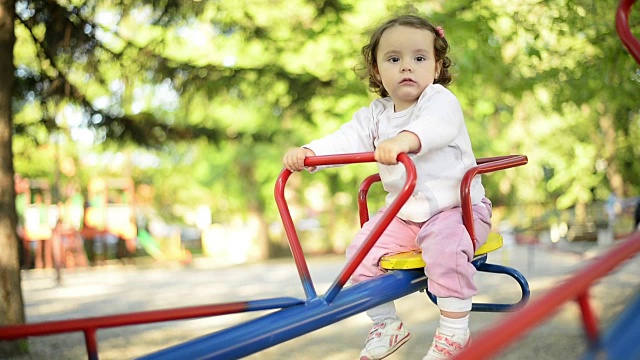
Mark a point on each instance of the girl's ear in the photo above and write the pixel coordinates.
(438, 69)
(376, 76)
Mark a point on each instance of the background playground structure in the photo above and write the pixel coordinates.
(110, 213)
(38, 219)
(74, 232)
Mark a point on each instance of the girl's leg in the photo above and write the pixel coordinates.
(400, 236)
(448, 252)
(388, 332)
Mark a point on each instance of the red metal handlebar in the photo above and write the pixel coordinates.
(484, 165)
(292, 236)
(363, 207)
(622, 26)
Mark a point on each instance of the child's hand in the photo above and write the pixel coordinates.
(294, 159)
(387, 151)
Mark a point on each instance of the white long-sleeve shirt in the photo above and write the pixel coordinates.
(445, 153)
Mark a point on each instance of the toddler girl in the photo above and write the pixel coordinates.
(406, 63)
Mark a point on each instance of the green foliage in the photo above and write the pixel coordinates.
(217, 90)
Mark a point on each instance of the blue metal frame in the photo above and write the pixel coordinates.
(482, 266)
(283, 325)
(621, 339)
(303, 317)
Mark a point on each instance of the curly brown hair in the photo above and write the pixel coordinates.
(368, 69)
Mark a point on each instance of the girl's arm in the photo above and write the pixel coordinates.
(294, 158)
(388, 150)
(352, 137)
(439, 120)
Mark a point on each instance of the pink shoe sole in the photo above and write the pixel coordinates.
(391, 350)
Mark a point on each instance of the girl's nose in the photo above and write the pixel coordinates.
(405, 68)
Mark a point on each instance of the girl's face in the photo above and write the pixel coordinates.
(406, 63)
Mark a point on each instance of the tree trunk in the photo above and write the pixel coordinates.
(256, 209)
(11, 304)
(610, 146)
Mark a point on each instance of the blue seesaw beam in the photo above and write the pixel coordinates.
(621, 339)
(288, 323)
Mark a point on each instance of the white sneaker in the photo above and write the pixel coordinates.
(445, 346)
(384, 338)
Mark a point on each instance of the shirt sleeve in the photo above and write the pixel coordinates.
(437, 119)
(352, 137)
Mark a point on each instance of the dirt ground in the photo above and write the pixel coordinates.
(116, 289)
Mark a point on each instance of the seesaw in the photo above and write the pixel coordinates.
(300, 316)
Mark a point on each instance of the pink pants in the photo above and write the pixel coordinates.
(445, 244)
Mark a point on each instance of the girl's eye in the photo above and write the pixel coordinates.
(421, 58)
(394, 59)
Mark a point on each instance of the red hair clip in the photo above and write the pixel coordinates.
(440, 31)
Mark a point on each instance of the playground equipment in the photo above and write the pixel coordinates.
(49, 232)
(296, 317)
(173, 252)
(624, 31)
(68, 243)
(38, 220)
(111, 211)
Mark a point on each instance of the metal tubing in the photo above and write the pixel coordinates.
(493, 340)
(292, 236)
(378, 229)
(484, 166)
(92, 323)
(624, 32)
(482, 266)
(517, 276)
(589, 319)
(363, 207)
(92, 343)
(283, 208)
(274, 328)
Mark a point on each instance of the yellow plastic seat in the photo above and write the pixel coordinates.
(413, 259)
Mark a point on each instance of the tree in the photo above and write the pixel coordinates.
(11, 303)
(578, 61)
(538, 78)
(109, 61)
(257, 87)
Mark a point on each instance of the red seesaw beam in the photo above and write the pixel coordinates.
(575, 288)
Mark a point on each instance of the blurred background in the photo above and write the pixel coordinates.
(156, 128)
